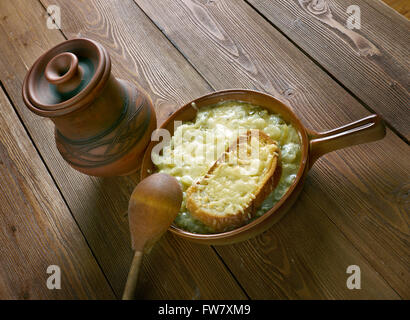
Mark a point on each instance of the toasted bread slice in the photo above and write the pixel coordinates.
(233, 189)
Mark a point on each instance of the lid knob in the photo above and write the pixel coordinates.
(64, 72)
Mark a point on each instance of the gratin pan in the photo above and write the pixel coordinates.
(313, 146)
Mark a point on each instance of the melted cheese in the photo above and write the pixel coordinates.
(232, 185)
(197, 144)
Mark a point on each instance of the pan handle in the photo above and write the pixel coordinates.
(368, 129)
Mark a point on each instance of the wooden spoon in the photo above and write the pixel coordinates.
(154, 204)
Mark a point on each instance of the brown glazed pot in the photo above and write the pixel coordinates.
(102, 124)
(314, 145)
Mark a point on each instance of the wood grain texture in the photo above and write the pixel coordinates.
(37, 229)
(373, 62)
(350, 201)
(317, 253)
(99, 205)
(401, 6)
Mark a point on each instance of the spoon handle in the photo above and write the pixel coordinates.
(129, 291)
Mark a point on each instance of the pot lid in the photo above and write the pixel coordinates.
(66, 77)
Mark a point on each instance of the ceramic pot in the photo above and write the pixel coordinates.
(313, 146)
(102, 124)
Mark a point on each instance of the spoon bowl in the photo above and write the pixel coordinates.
(153, 206)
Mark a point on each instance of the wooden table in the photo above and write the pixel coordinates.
(354, 209)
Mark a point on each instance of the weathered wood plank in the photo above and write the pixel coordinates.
(401, 6)
(37, 229)
(372, 62)
(99, 205)
(360, 190)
